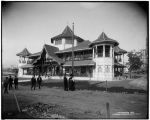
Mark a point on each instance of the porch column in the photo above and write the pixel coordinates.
(110, 50)
(123, 62)
(93, 53)
(103, 50)
(96, 52)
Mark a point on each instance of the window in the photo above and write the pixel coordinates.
(100, 51)
(58, 42)
(107, 51)
(100, 69)
(107, 68)
(68, 41)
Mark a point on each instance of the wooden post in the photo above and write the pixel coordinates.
(108, 110)
(73, 49)
(106, 85)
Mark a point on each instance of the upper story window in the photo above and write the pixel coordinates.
(100, 51)
(107, 51)
(68, 41)
(58, 42)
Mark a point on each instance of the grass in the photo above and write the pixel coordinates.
(85, 103)
(89, 100)
(112, 86)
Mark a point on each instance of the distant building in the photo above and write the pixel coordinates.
(144, 58)
(99, 60)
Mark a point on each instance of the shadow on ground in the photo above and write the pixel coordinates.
(85, 85)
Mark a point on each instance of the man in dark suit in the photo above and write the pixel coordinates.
(16, 82)
(33, 82)
(10, 82)
(65, 83)
(39, 81)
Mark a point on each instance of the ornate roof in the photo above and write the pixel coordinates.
(50, 50)
(82, 46)
(118, 50)
(24, 53)
(34, 55)
(104, 39)
(67, 33)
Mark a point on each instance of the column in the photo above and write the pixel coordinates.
(93, 53)
(96, 52)
(110, 51)
(103, 50)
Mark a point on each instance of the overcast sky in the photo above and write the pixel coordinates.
(31, 24)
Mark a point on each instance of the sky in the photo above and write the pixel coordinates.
(32, 24)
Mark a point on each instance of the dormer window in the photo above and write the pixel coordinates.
(68, 41)
(58, 42)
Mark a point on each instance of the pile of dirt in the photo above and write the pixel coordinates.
(40, 110)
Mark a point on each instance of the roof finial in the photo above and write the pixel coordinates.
(103, 30)
(67, 23)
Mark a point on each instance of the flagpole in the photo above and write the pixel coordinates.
(73, 49)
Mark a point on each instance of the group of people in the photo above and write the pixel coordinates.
(34, 81)
(69, 85)
(8, 83)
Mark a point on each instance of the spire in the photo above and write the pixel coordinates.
(67, 31)
(24, 53)
(103, 36)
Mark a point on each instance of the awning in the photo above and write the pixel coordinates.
(80, 63)
(27, 66)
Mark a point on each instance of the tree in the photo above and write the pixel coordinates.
(134, 61)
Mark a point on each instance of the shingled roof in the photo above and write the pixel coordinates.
(118, 50)
(50, 50)
(82, 46)
(104, 39)
(67, 33)
(24, 53)
(35, 54)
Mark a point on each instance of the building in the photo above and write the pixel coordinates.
(99, 60)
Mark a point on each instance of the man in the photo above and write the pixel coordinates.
(33, 82)
(39, 81)
(6, 82)
(71, 83)
(65, 83)
(16, 82)
(10, 82)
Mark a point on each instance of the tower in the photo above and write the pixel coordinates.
(103, 56)
(23, 60)
(64, 40)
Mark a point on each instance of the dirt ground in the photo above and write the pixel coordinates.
(83, 103)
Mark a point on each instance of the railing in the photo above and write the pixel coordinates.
(120, 60)
(84, 57)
